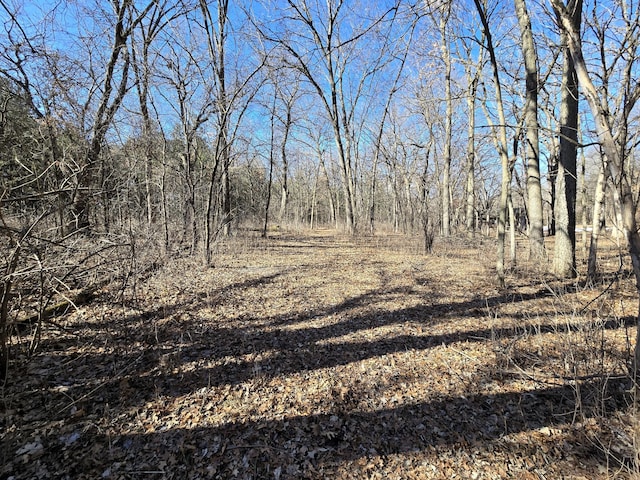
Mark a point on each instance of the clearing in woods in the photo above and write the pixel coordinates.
(322, 356)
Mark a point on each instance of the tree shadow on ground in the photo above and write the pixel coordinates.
(229, 356)
(144, 365)
(319, 445)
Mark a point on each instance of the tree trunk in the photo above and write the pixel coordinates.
(597, 223)
(553, 176)
(501, 143)
(428, 229)
(347, 185)
(512, 233)
(314, 199)
(470, 166)
(190, 225)
(226, 200)
(141, 73)
(372, 195)
(270, 177)
(534, 190)
(333, 209)
(268, 201)
(163, 193)
(284, 189)
(564, 253)
(7, 283)
(564, 261)
(583, 198)
(617, 166)
(446, 171)
(211, 200)
(217, 34)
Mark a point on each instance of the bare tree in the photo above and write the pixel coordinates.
(193, 104)
(473, 74)
(393, 90)
(143, 38)
(615, 152)
(501, 143)
(614, 53)
(287, 93)
(314, 39)
(272, 147)
(444, 13)
(232, 94)
(564, 258)
(287, 122)
(113, 88)
(598, 220)
(216, 27)
(534, 190)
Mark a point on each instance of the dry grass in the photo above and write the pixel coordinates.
(315, 355)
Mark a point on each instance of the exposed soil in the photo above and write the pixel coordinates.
(321, 356)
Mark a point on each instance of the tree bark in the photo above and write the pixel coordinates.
(583, 198)
(512, 233)
(446, 171)
(216, 35)
(564, 259)
(501, 143)
(534, 190)
(616, 164)
(471, 161)
(553, 176)
(284, 189)
(597, 223)
(7, 283)
(271, 162)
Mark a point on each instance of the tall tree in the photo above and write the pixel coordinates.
(597, 221)
(473, 73)
(272, 147)
(287, 122)
(192, 100)
(112, 89)
(393, 90)
(501, 144)
(564, 258)
(326, 52)
(444, 13)
(616, 54)
(617, 163)
(234, 83)
(216, 26)
(143, 58)
(288, 91)
(534, 190)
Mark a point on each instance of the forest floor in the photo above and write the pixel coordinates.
(316, 355)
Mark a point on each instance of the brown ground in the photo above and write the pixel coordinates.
(318, 356)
